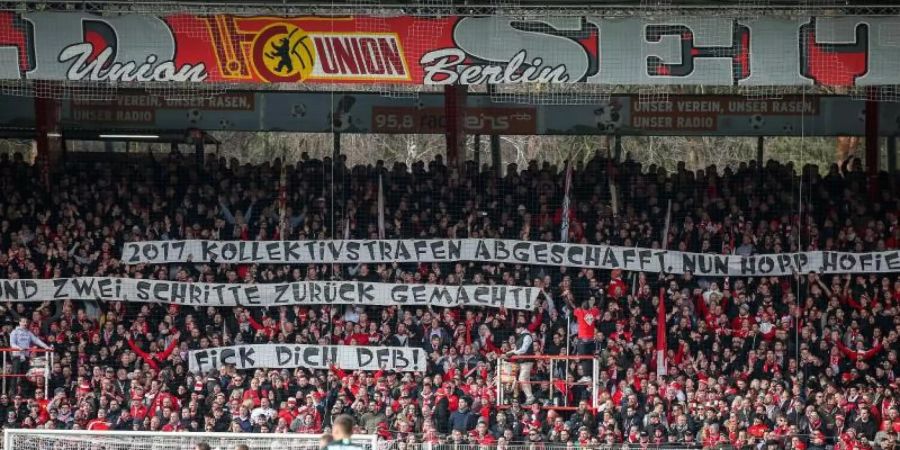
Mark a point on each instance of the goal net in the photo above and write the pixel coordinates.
(21, 439)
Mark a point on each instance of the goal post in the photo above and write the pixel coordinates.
(37, 439)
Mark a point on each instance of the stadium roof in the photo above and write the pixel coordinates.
(848, 6)
(647, 3)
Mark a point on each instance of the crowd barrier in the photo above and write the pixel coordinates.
(40, 365)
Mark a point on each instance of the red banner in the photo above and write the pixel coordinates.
(311, 49)
(449, 50)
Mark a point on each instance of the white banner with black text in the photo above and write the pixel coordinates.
(289, 356)
(271, 294)
(507, 251)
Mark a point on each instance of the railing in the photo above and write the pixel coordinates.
(404, 445)
(40, 439)
(507, 376)
(40, 360)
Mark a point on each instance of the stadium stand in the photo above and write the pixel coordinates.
(797, 362)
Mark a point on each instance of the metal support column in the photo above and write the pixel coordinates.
(617, 148)
(455, 113)
(48, 139)
(552, 403)
(872, 144)
(595, 384)
(48, 367)
(335, 156)
(500, 364)
(760, 151)
(496, 159)
(892, 154)
(476, 152)
(336, 148)
(199, 153)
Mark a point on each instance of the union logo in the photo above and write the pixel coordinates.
(283, 53)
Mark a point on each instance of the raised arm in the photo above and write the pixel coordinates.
(12, 312)
(253, 323)
(852, 354)
(248, 215)
(168, 351)
(57, 313)
(144, 355)
(338, 372)
(226, 213)
(824, 286)
(536, 322)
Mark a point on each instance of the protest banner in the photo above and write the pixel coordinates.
(288, 356)
(510, 252)
(274, 294)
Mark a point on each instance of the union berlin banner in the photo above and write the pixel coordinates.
(273, 294)
(507, 251)
(768, 51)
(289, 356)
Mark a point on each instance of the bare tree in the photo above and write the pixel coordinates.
(666, 152)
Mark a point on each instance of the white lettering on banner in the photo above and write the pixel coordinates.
(447, 66)
(688, 49)
(101, 68)
(296, 293)
(507, 251)
(289, 356)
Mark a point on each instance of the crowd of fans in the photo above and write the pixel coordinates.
(800, 362)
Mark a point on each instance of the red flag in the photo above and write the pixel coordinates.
(661, 334)
(561, 386)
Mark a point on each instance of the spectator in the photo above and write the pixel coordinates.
(524, 346)
(587, 315)
(462, 419)
(756, 363)
(23, 340)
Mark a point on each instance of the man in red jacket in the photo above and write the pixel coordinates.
(587, 317)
